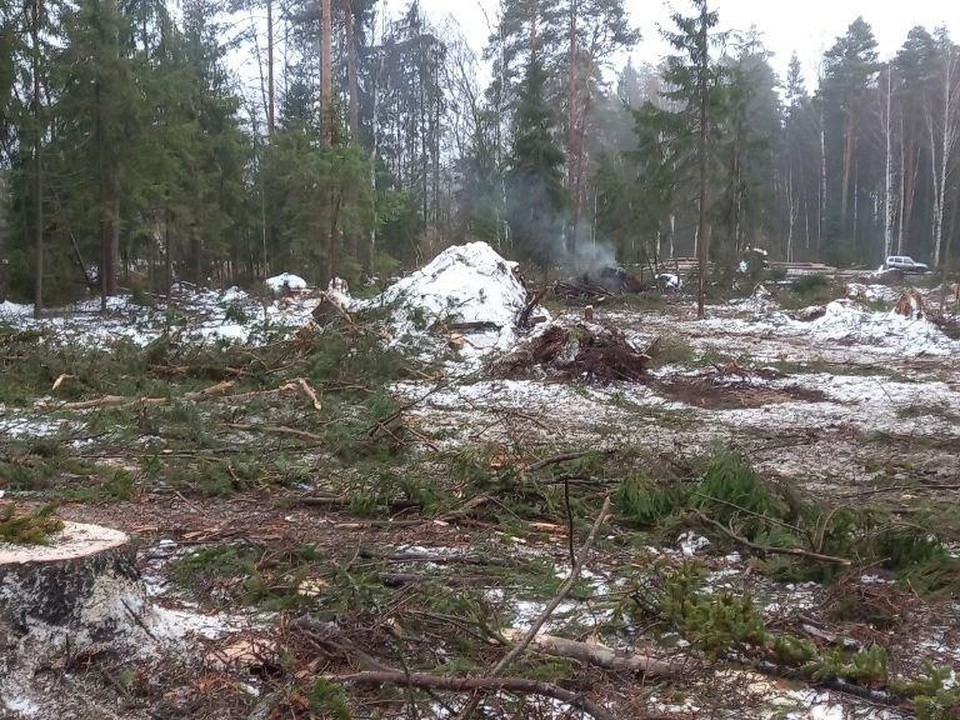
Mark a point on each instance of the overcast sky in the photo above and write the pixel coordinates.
(806, 26)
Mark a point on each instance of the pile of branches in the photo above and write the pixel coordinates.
(582, 352)
(578, 292)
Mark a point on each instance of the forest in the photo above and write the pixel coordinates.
(132, 156)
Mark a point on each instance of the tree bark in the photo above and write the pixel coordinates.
(822, 196)
(271, 99)
(109, 192)
(571, 123)
(37, 161)
(352, 86)
(947, 142)
(888, 176)
(326, 81)
(704, 238)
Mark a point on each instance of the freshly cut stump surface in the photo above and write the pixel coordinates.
(56, 584)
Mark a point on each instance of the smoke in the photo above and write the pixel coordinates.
(542, 227)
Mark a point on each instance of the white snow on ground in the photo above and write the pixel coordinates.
(464, 284)
(873, 293)
(844, 323)
(286, 281)
(14, 310)
(14, 424)
(195, 315)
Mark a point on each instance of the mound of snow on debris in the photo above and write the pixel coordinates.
(285, 282)
(470, 286)
(843, 321)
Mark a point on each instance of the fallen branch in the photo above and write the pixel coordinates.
(770, 550)
(565, 589)
(600, 655)
(281, 430)
(525, 641)
(115, 401)
(426, 681)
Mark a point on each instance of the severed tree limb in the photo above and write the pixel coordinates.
(426, 681)
(600, 655)
(565, 589)
(769, 550)
(111, 401)
(281, 430)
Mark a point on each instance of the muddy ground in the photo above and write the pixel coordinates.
(406, 523)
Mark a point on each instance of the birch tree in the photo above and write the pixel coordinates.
(943, 127)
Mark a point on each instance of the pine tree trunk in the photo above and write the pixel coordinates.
(849, 148)
(37, 162)
(704, 249)
(822, 196)
(571, 123)
(271, 100)
(352, 85)
(109, 191)
(326, 81)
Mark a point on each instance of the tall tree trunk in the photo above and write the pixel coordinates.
(947, 142)
(271, 98)
(849, 149)
(109, 190)
(888, 175)
(822, 195)
(572, 88)
(903, 184)
(326, 81)
(704, 249)
(352, 86)
(37, 161)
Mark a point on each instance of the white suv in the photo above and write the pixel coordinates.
(906, 264)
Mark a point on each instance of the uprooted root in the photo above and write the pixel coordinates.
(585, 351)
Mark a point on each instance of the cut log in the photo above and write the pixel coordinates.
(601, 655)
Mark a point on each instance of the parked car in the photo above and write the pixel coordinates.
(906, 264)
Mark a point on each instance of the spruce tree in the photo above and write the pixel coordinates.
(534, 179)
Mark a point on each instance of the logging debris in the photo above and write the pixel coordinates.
(582, 351)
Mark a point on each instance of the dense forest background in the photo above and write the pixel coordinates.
(129, 157)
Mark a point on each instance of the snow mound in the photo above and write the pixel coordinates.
(470, 286)
(909, 337)
(285, 282)
(872, 293)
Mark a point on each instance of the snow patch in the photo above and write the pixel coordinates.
(286, 282)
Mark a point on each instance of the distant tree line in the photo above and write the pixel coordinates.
(130, 155)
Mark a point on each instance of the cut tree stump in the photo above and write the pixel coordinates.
(67, 582)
